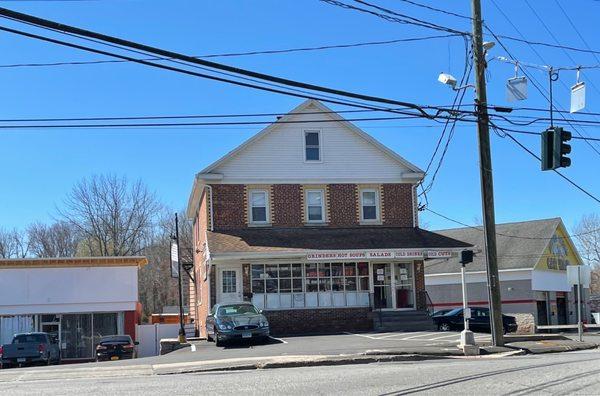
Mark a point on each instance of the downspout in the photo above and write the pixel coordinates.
(210, 197)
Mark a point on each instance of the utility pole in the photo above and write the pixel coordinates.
(181, 327)
(487, 184)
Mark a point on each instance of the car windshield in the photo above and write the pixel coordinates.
(237, 309)
(24, 338)
(116, 338)
(455, 311)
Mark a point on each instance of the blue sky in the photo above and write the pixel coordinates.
(38, 167)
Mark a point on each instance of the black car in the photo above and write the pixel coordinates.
(242, 321)
(115, 347)
(440, 312)
(480, 321)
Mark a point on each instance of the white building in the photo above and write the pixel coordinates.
(77, 299)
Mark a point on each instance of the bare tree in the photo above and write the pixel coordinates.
(13, 244)
(114, 217)
(587, 232)
(157, 288)
(60, 239)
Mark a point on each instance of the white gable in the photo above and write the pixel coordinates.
(276, 155)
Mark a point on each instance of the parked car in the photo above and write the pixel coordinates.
(440, 312)
(30, 348)
(236, 321)
(116, 347)
(480, 321)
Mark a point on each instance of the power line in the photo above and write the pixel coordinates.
(556, 171)
(215, 123)
(398, 18)
(428, 7)
(129, 45)
(237, 54)
(509, 235)
(207, 76)
(534, 81)
(543, 44)
(458, 102)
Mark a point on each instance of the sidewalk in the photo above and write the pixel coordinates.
(186, 361)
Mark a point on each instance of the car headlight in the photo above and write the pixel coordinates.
(264, 324)
(225, 327)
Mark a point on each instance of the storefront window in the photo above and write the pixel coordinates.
(310, 285)
(105, 324)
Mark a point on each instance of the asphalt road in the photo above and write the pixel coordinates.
(564, 373)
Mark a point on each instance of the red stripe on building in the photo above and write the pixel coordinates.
(459, 303)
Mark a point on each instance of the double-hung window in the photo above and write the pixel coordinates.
(315, 208)
(259, 203)
(312, 145)
(369, 202)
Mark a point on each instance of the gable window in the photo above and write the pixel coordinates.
(259, 207)
(312, 145)
(315, 210)
(369, 202)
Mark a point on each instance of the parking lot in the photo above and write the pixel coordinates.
(347, 343)
(424, 337)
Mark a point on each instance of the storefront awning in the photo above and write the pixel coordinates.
(281, 241)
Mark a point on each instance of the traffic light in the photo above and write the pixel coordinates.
(466, 257)
(554, 148)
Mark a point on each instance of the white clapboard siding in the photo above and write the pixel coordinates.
(279, 156)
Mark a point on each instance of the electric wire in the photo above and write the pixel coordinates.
(398, 18)
(237, 54)
(533, 80)
(129, 45)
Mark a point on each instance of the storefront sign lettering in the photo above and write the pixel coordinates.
(335, 255)
(380, 254)
(439, 254)
(410, 254)
(386, 254)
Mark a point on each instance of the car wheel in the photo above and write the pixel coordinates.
(444, 327)
(208, 336)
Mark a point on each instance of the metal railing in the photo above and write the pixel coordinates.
(429, 307)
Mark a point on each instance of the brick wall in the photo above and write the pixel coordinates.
(319, 321)
(246, 282)
(229, 206)
(287, 205)
(397, 204)
(420, 285)
(343, 205)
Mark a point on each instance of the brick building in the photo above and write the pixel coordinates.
(316, 223)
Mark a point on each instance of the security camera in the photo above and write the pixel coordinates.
(447, 79)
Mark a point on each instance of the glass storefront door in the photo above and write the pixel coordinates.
(382, 286)
(404, 285)
(76, 336)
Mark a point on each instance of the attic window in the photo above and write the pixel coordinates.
(312, 145)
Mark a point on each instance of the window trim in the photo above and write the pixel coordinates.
(377, 218)
(306, 205)
(319, 133)
(251, 220)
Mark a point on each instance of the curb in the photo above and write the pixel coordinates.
(319, 361)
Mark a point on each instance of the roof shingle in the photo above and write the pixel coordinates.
(320, 238)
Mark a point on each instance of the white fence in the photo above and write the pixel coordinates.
(149, 336)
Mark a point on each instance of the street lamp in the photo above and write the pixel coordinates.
(449, 79)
